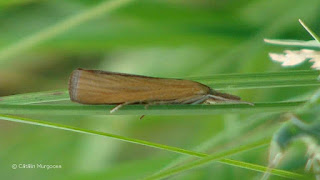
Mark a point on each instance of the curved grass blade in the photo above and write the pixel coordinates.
(238, 133)
(219, 156)
(263, 169)
(93, 132)
(261, 80)
(78, 109)
(314, 35)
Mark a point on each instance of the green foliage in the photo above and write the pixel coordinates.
(314, 35)
(218, 43)
(312, 44)
(208, 158)
(306, 130)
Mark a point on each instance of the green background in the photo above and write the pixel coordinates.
(179, 38)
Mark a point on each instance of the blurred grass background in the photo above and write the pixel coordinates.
(154, 38)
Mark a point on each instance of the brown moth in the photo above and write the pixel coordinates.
(102, 87)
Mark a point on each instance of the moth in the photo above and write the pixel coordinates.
(103, 87)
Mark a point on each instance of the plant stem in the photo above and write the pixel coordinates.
(77, 109)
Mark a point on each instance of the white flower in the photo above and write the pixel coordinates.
(292, 58)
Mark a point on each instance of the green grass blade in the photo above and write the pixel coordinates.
(263, 169)
(219, 82)
(60, 27)
(313, 44)
(238, 135)
(37, 97)
(261, 80)
(93, 132)
(218, 157)
(158, 146)
(77, 109)
(314, 35)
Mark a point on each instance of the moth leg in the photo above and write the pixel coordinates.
(146, 106)
(201, 100)
(119, 106)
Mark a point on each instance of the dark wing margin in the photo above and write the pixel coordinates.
(73, 84)
(116, 73)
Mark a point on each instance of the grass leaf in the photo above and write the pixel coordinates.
(261, 80)
(78, 109)
(218, 157)
(36, 97)
(93, 132)
(314, 35)
(313, 44)
(206, 159)
(238, 135)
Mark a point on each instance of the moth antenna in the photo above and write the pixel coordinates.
(230, 100)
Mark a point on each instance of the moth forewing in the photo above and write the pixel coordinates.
(102, 87)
